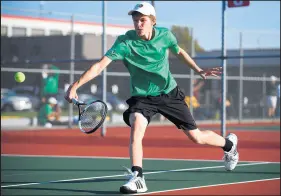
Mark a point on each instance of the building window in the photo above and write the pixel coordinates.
(37, 32)
(4, 30)
(90, 34)
(55, 32)
(18, 31)
(75, 33)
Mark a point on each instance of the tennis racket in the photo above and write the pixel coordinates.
(91, 115)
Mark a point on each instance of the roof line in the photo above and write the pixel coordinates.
(59, 20)
(248, 49)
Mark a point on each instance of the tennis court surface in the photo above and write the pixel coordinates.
(68, 162)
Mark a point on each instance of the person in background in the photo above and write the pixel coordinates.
(197, 85)
(271, 96)
(278, 100)
(47, 116)
(50, 82)
(228, 108)
(199, 113)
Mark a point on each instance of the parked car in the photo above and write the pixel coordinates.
(32, 92)
(82, 97)
(88, 97)
(117, 104)
(10, 101)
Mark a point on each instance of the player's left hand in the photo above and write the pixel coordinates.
(216, 71)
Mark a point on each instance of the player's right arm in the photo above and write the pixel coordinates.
(88, 75)
(118, 51)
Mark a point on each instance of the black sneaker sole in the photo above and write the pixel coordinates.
(126, 190)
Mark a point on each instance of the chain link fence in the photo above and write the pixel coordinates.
(79, 44)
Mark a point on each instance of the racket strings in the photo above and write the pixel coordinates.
(92, 116)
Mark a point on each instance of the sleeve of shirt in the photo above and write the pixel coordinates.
(48, 109)
(174, 47)
(119, 50)
(56, 69)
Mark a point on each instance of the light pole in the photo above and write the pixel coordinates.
(41, 4)
(223, 64)
(104, 43)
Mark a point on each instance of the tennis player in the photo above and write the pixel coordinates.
(154, 90)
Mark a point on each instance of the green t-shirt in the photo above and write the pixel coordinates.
(271, 89)
(50, 83)
(146, 61)
(43, 113)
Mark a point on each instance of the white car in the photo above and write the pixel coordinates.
(10, 101)
(88, 97)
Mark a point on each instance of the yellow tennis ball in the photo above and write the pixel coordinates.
(19, 77)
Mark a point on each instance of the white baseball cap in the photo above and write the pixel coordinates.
(273, 78)
(52, 100)
(144, 8)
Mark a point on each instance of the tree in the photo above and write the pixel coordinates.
(184, 38)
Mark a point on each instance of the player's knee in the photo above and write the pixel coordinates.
(196, 136)
(138, 125)
(137, 120)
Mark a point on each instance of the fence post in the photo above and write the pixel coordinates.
(191, 73)
(240, 79)
(71, 76)
(264, 96)
(223, 64)
(104, 43)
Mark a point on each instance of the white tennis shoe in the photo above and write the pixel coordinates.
(134, 185)
(231, 158)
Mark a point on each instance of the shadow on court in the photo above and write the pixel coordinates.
(63, 190)
(68, 170)
(233, 172)
(73, 191)
(95, 181)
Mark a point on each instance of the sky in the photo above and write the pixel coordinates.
(259, 22)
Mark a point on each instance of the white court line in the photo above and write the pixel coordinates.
(206, 186)
(112, 176)
(104, 157)
(23, 174)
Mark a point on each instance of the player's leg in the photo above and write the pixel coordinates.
(205, 137)
(228, 144)
(137, 117)
(136, 183)
(138, 126)
(177, 111)
(274, 104)
(269, 106)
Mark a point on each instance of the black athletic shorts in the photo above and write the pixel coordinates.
(171, 105)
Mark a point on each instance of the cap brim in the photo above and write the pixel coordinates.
(131, 12)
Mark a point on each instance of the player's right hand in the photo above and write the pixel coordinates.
(70, 94)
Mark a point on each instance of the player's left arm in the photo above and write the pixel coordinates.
(183, 56)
